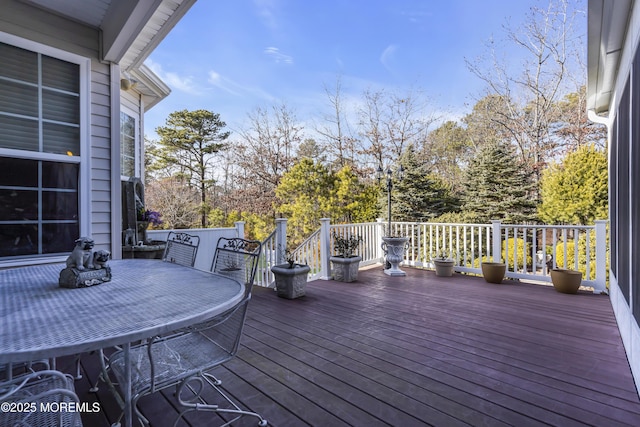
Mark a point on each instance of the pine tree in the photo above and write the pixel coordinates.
(498, 186)
(186, 144)
(306, 194)
(419, 196)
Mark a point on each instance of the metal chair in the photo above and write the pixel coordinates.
(184, 358)
(38, 397)
(7, 370)
(237, 258)
(181, 248)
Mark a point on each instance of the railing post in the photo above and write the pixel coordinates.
(325, 249)
(379, 234)
(601, 256)
(240, 229)
(281, 240)
(496, 240)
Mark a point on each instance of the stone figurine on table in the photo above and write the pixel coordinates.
(82, 255)
(85, 267)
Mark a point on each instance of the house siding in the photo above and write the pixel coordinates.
(101, 155)
(36, 25)
(623, 123)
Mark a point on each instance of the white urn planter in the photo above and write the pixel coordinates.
(394, 248)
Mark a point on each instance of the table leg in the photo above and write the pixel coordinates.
(128, 410)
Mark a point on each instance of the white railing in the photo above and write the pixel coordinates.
(529, 251)
(575, 247)
(462, 242)
(268, 258)
(309, 252)
(369, 247)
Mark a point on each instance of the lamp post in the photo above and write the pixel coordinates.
(393, 246)
(389, 179)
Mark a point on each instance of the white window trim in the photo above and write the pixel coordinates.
(137, 161)
(84, 184)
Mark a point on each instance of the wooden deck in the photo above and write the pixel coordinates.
(419, 350)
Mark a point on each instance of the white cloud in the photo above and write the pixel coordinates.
(265, 9)
(234, 88)
(387, 55)
(174, 80)
(279, 57)
(223, 83)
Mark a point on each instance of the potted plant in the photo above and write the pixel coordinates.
(291, 278)
(345, 263)
(493, 272)
(443, 263)
(566, 281)
(146, 217)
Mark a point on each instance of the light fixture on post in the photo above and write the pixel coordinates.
(393, 246)
(389, 184)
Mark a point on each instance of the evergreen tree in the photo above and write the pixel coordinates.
(355, 201)
(576, 191)
(309, 192)
(498, 186)
(186, 144)
(419, 196)
(306, 195)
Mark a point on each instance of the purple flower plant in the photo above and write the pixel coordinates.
(152, 216)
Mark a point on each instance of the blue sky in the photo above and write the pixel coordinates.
(232, 56)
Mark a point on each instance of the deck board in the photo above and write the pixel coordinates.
(419, 350)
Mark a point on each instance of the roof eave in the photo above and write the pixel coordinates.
(607, 26)
(152, 88)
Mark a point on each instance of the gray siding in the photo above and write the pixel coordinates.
(101, 155)
(30, 23)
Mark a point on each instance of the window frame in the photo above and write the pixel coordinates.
(137, 163)
(84, 159)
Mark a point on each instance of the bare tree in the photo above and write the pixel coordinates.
(265, 152)
(407, 121)
(335, 131)
(175, 200)
(576, 129)
(529, 100)
(390, 122)
(371, 122)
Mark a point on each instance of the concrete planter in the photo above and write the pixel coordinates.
(394, 248)
(493, 272)
(345, 269)
(566, 281)
(444, 267)
(291, 282)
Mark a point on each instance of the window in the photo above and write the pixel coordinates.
(40, 149)
(127, 145)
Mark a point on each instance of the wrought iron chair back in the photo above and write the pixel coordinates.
(181, 248)
(237, 258)
(32, 394)
(185, 357)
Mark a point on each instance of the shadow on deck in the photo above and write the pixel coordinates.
(419, 350)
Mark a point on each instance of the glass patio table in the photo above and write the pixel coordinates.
(39, 319)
